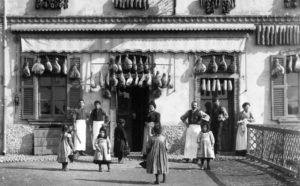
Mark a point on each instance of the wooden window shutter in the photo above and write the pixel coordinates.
(27, 88)
(278, 90)
(74, 89)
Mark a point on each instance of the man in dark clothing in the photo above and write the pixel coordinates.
(219, 116)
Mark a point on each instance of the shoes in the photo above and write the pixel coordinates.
(156, 183)
(186, 160)
(208, 167)
(83, 153)
(201, 167)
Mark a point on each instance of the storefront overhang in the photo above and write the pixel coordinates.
(173, 45)
(130, 27)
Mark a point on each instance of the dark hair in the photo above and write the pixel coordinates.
(80, 100)
(205, 123)
(153, 104)
(104, 130)
(215, 99)
(97, 101)
(245, 104)
(121, 121)
(157, 129)
(64, 128)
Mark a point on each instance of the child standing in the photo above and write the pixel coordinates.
(206, 143)
(102, 153)
(65, 147)
(157, 160)
(120, 141)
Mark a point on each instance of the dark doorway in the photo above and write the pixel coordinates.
(133, 107)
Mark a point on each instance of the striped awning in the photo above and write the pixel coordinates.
(131, 27)
(176, 45)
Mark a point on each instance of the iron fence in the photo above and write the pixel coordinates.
(276, 145)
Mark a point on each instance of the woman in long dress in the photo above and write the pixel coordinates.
(245, 117)
(157, 159)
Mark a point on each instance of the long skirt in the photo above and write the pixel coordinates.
(191, 146)
(96, 127)
(241, 139)
(147, 134)
(79, 144)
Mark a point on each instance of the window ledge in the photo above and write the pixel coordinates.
(289, 120)
(49, 122)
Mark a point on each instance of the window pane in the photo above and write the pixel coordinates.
(60, 93)
(45, 81)
(60, 81)
(45, 107)
(292, 79)
(293, 107)
(45, 93)
(60, 107)
(292, 93)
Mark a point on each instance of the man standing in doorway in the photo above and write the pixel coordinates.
(193, 123)
(219, 116)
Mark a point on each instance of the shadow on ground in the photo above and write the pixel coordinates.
(118, 181)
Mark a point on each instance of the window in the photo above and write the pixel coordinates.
(293, 93)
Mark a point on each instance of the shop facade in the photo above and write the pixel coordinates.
(94, 41)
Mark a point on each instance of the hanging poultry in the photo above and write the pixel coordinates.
(223, 65)
(142, 80)
(232, 68)
(56, 66)
(289, 66)
(212, 66)
(122, 81)
(134, 66)
(113, 81)
(113, 67)
(119, 64)
(26, 70)
(164, 81)
(48, 64)
(170, 83)
(38, 68)
(74, 72)
(278, 69)
(297, 64)
(129, 80)
(127, 63)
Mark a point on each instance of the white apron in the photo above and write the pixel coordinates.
(147, 134)
(241, 138)
(81, 133)
(191, 145)
(96, 127)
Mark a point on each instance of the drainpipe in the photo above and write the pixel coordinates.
(3, 76)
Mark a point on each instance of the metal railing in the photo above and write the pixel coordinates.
(275, 145)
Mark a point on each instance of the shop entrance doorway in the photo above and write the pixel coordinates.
(133, 107)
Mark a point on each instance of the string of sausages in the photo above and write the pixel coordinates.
(271, 35)
(131, 4)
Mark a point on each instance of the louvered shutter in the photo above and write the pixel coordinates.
(27, 87)
(278, 91)
(74, 89)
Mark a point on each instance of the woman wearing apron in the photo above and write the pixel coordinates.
(97, 120)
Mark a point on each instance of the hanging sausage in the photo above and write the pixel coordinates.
(203, 85)
(101, 82)
(278, 69)
(64, 68)
(223, 65)
(212, 66)
(38, 68)
(26, 70)
(119, 64)
(218, 85)
(134, 66)
(214, 84)
(48, 64)
(136, 80)
(107, 79)
(225, 85)
(164, 81)
(208, 87)
(230, 88)
(272, 35)
(140, 66)
(149, 79)
(142, 80)
(297, 64)
(263, 35)
(258, 35)
(146, 66)
(170, 83)
(276, 37)
(267, 37)
(129, 80)
(289, 66)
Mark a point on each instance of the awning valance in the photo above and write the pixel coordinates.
(176, 45)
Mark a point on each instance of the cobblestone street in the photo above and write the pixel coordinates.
(224, 172)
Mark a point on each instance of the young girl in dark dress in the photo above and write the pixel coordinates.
(65, 147)
(120, 141)
(102, 153)
(157, 159)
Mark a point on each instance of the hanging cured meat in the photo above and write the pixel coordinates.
(56, 66)
(212, 66)
(38, 68)
(113, 81)
(134, 66)
(107, 94)
(170, 83)
(263, 35)
(276, 35)
(157, 80)
(48, 64)
(208, 87)
(107, 79)
(225, 85)
(136, 80)
(258, 34)
(101, 82)
(230, 88)
(278, 69)
(142, 80)
(267, 36)
(127, 63)
(214, 85)
(203, 85)
(146, 66)
(26, 70)
(112, 64)
(140, 66)
(199, 67)
(92, 81)
(129, 80)
(297, 64)
(218, 85)
(122, 81)
(64, 68)
(272, 28)
(74, 72)
(222, 64)
(232, 68)
(149, 79)
(164, 81)
(289, 66)
(119, 64)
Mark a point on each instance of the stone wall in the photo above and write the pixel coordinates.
(175, 137)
